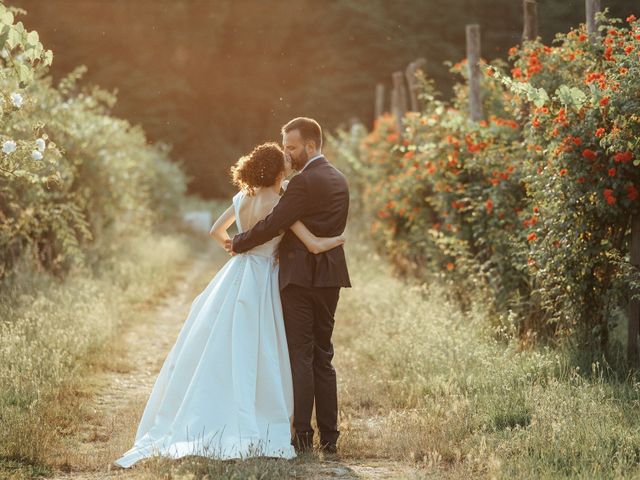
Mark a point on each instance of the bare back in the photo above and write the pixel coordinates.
(254, 208)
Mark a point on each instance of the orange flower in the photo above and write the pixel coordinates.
(599, 132)
(589, 154)
(623, 157)
(489, 205)
(608, 195)
(532, 236)
(608, 54)
(631, 18)
(563, 172)
(409, 154)
(612, 172)
(604, 101)
(632, 193)
(450, 266)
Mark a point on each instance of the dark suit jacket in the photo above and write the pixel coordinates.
(319, 197)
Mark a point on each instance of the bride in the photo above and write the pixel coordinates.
(225, 388)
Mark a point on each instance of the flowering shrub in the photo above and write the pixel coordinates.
(531, 206)
(68, 169)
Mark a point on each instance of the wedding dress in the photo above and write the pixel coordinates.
(225, 388)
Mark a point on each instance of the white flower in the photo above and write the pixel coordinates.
(9, 146)
(36, 155)
(16, 99)
(41, 144)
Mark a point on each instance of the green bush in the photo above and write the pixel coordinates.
(529, 209)
(68, 168)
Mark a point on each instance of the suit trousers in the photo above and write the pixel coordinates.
(309, 320)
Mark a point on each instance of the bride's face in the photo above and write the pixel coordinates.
(288, 169)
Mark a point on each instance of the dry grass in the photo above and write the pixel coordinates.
(421, 382)
(53, 334)
(424, 390)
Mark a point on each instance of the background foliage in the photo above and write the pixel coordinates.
(530, 208)
(225, 75)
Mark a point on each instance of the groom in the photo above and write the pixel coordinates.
(309, 283)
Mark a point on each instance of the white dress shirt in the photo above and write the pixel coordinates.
(311, 160)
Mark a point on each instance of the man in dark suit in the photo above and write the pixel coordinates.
(309, 283)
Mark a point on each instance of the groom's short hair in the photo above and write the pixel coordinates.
(309, 129)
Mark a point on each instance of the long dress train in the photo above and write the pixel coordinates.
(225, 388)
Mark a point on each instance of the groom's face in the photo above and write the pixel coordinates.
(294, 147)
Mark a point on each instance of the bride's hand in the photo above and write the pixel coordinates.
(342, 238)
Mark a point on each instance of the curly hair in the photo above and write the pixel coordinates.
(258, 169)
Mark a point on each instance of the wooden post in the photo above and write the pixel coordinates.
(379, 106)
(591, 7)
(473, 62)
(395, 108)
(410, 73)
(530, 31)
(633, 309)
(399, 98)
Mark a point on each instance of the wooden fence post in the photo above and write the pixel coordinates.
(530, 31)
(591, 7)
(399, 98)
(473, 62)
(379, 105)
(633, 309)
(410, 73)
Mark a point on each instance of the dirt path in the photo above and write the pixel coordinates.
(119, 392)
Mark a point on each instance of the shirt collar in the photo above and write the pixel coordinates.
(311, 160)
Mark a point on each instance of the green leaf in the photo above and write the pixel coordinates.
(25, 74)
(13, 39)
(33, 38)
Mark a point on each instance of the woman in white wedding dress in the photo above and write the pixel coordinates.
(225, 389)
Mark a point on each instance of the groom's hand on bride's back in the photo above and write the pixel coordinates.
(228, 246)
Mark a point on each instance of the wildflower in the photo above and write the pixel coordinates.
(612, 172)
(563, 171)
(16, 99)
(589, 154)
(604, 101)
(532, 236)
(599, 132)
(40, 144)
(9, 146)
(36, 155)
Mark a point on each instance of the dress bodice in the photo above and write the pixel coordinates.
(267, 249)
